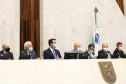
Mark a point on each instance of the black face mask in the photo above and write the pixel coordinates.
(7, 49)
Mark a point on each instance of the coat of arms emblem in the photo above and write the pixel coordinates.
(107, 71)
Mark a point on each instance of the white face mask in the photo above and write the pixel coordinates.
(120, 48)
(30, 49)
(106, 49)
(91, 51)
(78, 49)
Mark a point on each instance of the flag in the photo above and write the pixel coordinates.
(95, 37)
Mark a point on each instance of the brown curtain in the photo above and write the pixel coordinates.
(30, 24)
(120, 3)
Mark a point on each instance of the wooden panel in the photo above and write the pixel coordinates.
(120, 3)
(29, 24)
(33, 8)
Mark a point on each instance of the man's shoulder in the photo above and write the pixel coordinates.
(57, 50)
(1, 51)
(73, 50)
(100, 51)
(116, 50)
(86, 51)
(10, 52)
(46, 50)
(23, 51)
(33, 51)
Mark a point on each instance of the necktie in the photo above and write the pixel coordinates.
(54, 54)
(77, 55)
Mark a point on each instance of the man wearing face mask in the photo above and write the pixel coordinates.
(119, 50)
(104, 50)
(52, 52)
(6, 49)
(89, 52)
(28, 50)
(77, 49)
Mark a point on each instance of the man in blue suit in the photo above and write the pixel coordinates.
(28, 50)
(51, 52)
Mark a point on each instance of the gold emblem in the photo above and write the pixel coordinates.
(107, 71)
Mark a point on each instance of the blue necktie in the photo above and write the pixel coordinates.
(54, 54)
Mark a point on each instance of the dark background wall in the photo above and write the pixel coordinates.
(30, 23)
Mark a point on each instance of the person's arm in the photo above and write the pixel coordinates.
(93, 56)
(11, 56)
(35, 55)
(99, 53)
(59, 55)
(110, 53)
(46, 56)
(123, 56)
(21, 53)
(115, 53)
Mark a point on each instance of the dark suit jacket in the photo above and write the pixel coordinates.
(33, 54)
(9, 53)
(49, 55)
(119, 52)
(86, 52)
(103, 52)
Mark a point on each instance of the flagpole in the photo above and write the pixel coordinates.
(96, 34)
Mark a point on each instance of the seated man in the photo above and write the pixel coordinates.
(28, 50)
(118, 50)
(89, 52)
(51, 52)
(77, 47)
(6, 49)
(104, 50)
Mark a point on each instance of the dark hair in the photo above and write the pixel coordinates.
(118, 43)
(50, 41)
(91, 45)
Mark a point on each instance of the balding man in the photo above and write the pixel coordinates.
(28, 50)
(6, 49)
(77, 48)
(104, 50)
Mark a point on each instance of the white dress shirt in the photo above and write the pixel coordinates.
(91, 56)
(51, 50)
(4, 51)
(54, 51)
